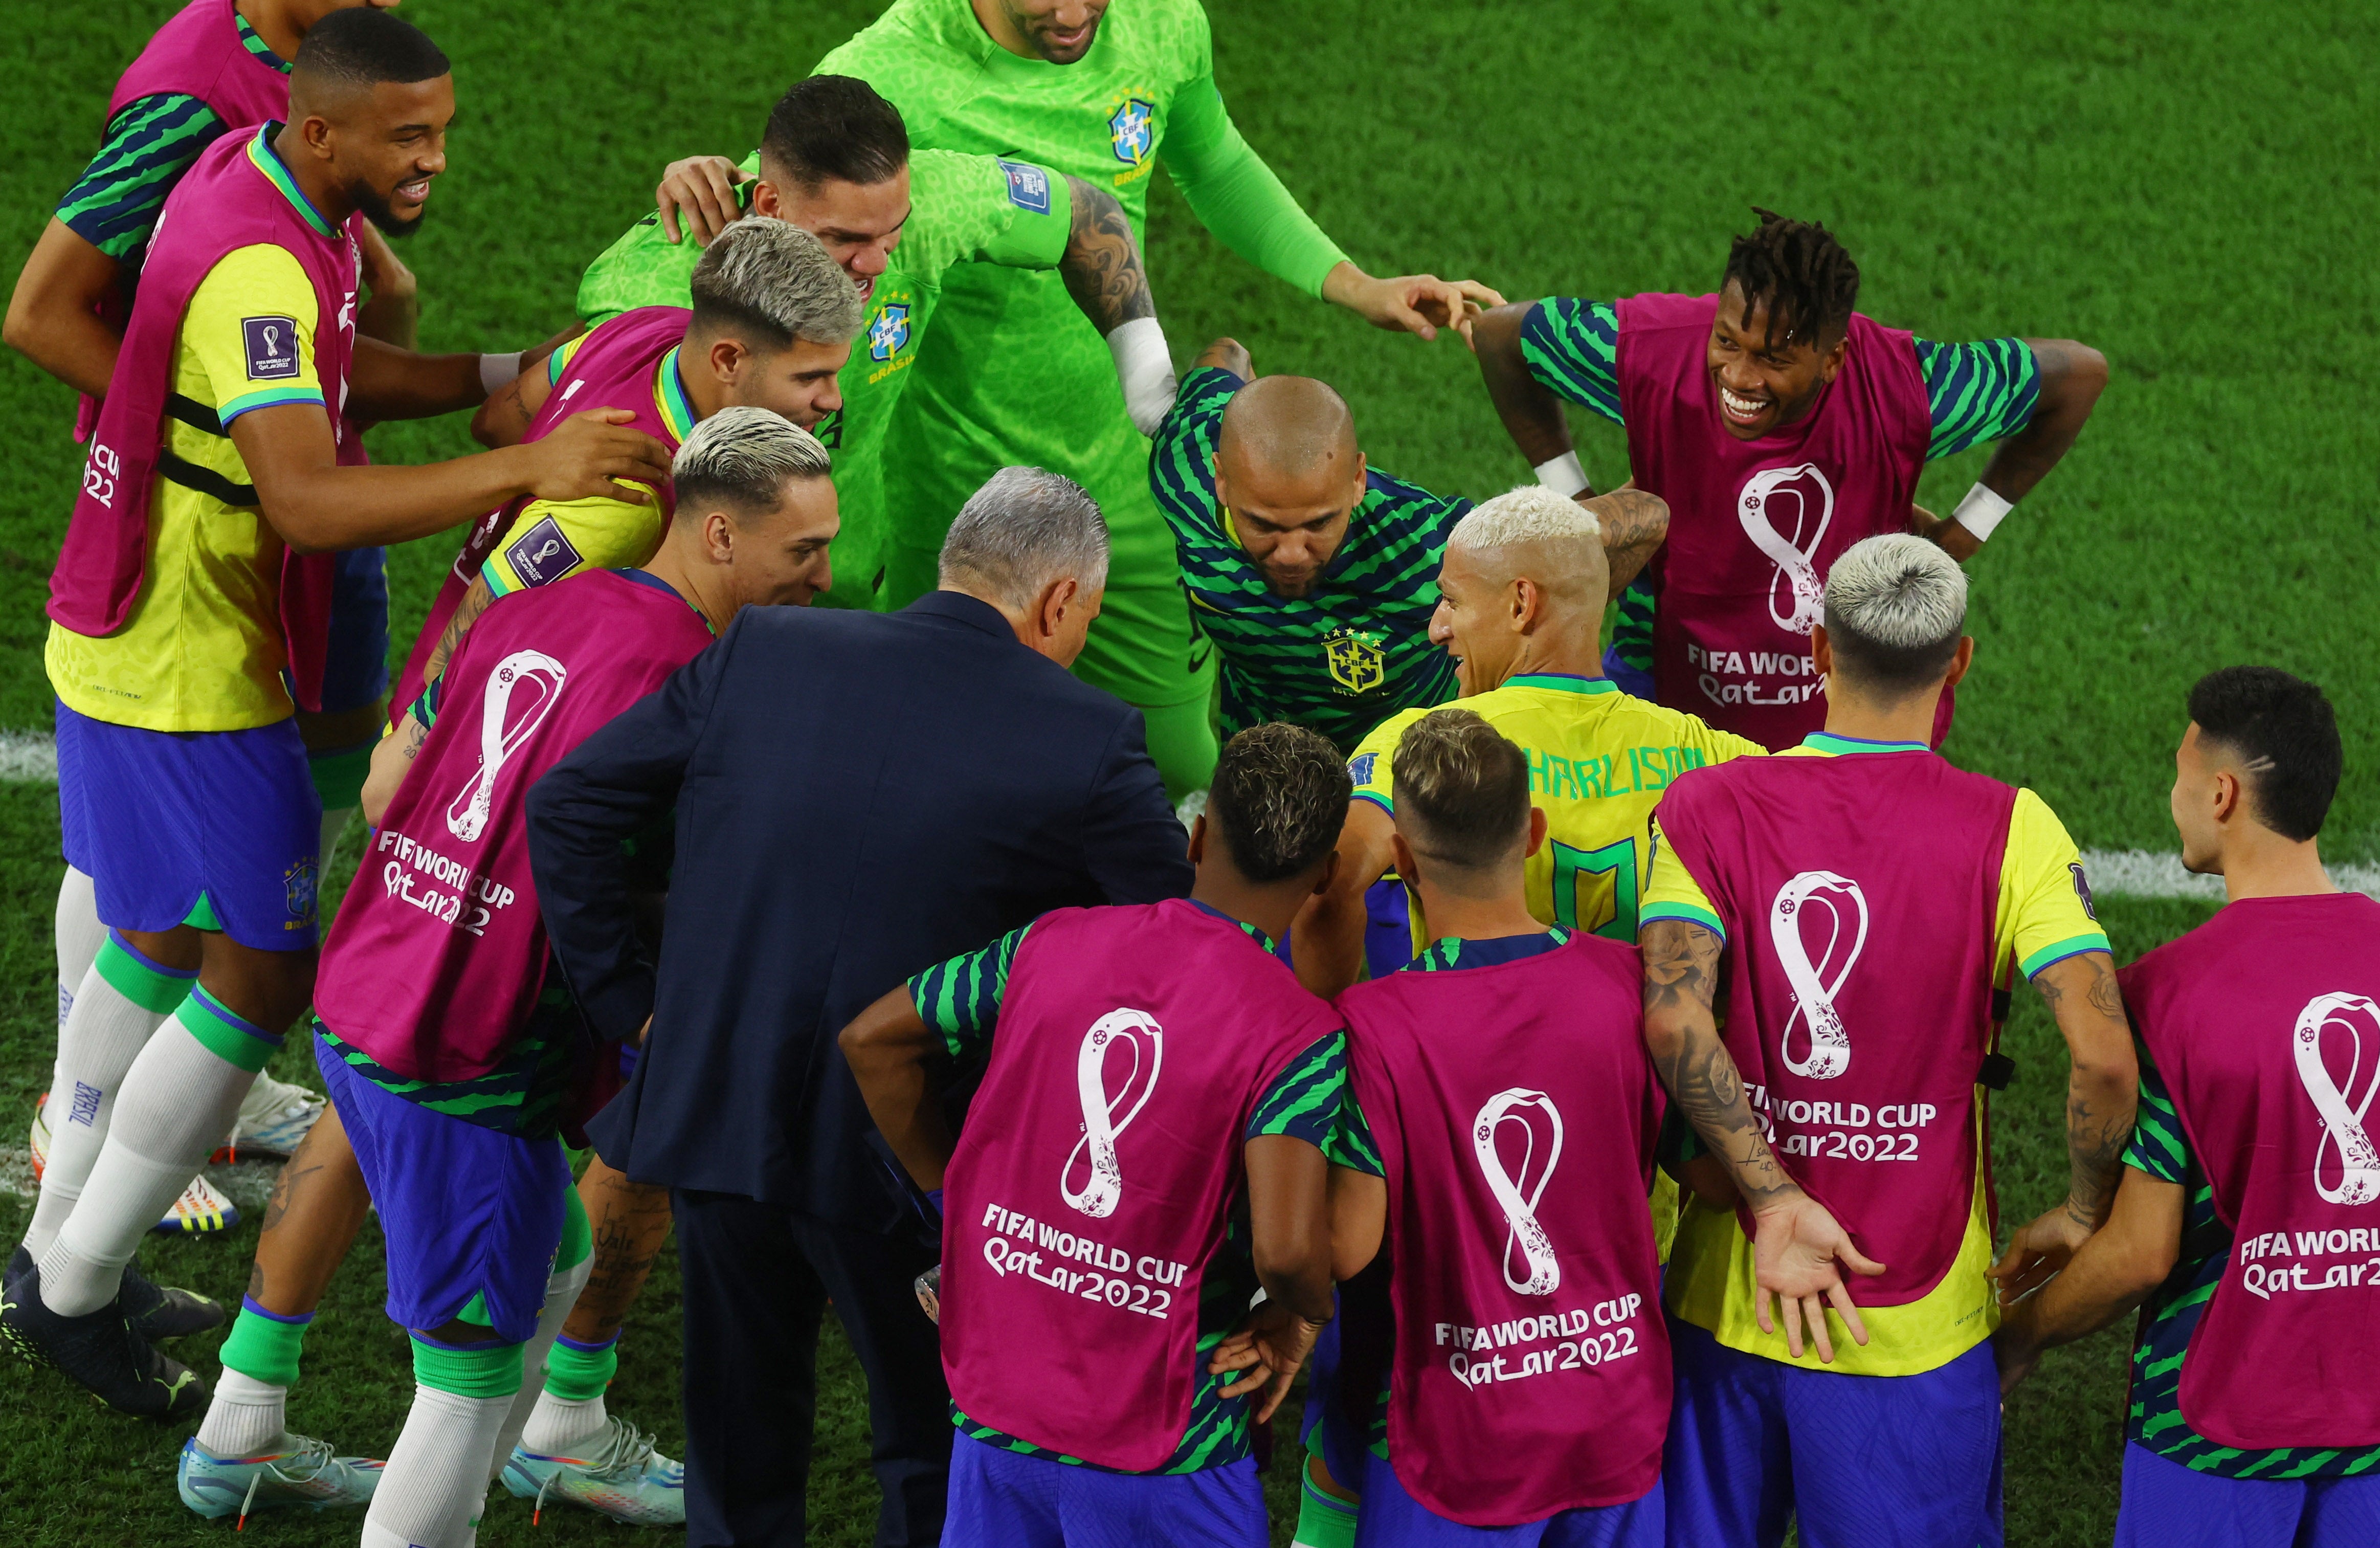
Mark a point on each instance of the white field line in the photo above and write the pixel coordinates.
(28, 757)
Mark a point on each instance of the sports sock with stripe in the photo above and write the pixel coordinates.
(436, 1481)
(570, 1410)
(124, 999)
(1323, 1521)
(178, 1100)
(250, 1416)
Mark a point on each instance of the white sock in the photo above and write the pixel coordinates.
(559, 1425)
(102, 1036)
(560, 1295)
(435, 1485)
(179, 1099)
(248, 1418)
(78, 935)
(333, 824)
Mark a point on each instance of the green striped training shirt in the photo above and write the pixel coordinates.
(1978, 392)
(147, 147)
(1352, 651)
(959, 1001)
(2161, 1149)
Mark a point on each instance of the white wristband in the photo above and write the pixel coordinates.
(495, 371)
(1981, 511)
(1145, 371)
(1563, 475)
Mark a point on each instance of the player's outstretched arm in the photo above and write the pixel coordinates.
(1329, 934)
(2102, 1094)
(2072, 377)
(1532, 414)
(318, 506)
(1289, 1230)
(53, 314)
(2109, 1276)
(1634, 523)
(1104, 274)
(887, 1046)
(1798, 1243)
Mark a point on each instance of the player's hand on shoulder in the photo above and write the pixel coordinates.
(1229, 354)
(585, 456)
(1413, 303)
(700, 190)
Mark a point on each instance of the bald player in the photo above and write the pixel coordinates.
(1315, 574)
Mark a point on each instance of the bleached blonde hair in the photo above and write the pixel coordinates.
(1896, 607)
(1531, 512)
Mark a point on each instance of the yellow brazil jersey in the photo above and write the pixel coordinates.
(1598, 762)
(202, 649)
(552, 539)
(2043, 917)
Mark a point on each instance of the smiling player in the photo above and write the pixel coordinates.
(1782, 427)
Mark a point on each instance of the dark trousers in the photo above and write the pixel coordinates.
(756, 1280)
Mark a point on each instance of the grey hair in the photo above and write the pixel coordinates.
(1896, 607)
(1531, 512)
(742, 458)
(1023, 529)
(773, 278)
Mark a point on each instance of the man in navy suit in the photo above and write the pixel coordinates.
(858, 796)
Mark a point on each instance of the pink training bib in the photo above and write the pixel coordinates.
(1514, 1107)
(2264, 1022)
(1091, 1185)
(1755, 526)
(1859, 894)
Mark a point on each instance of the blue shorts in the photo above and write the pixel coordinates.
(1392, 1518)
(467, 1211)
(1626, 677)
(355, 672)
(1003, 1499)
(1863, 1461)
(1388, 927)
(1326, 1430)
(161, 819)
(2169, 1506)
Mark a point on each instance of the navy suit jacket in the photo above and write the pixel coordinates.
(858, 796)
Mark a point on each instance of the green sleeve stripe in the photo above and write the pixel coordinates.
(1572, 347)
(1685, 913)
(1351, 1143)
(2158, 1146)
(150, 144)
(2073, 945)
(267, 397)
(960, 999)
(1383, 802)
(1977, 392)
(497, 586)
(1304, 1099)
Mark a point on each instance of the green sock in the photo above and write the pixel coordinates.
(578, 1236)
(339, 776)
(1323, 1521)
(486, 1371)
(265, 1345)
(576, 1371)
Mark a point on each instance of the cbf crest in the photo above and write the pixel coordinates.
(1355, 659)
(888, 331)
(297, 891)
(1132, 130)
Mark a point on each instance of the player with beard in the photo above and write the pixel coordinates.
(213, 68)
(1016, 376)
(2244, 1221)
(1315, 574)
(835, 160)
(1782, 427)
(196, 568)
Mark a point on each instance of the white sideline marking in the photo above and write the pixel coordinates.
(28, 757)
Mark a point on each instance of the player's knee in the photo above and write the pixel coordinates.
(269, 988)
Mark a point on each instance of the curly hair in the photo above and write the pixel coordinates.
(1278, 799)
(1798, 268)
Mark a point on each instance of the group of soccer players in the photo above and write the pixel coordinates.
(1572, 1060)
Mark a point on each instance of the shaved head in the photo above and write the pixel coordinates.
(1288, 428)
(1288, 474)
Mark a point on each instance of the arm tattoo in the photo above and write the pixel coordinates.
(2096, 1135)
(476, 600)
(1102, 267)
(1681, 981)
(414, 735)
(1634, 522)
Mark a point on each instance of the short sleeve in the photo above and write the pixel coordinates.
(1349, 1142)
(114, 205)
(1181, 455)
(559, 362)
(1302, 1101)
(1719, 747)
(1977, 392)
(2045, 905)
(2158, 1146)
(1572, 347)
(959, 1000)
(1672, 892)
(250, 327)
(1370, 769)
(554, 538)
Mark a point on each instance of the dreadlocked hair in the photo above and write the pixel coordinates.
(1796, 266)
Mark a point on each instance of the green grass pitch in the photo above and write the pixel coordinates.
(2186, 186)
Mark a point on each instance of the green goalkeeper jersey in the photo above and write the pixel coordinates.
(1017, 375)
(962, 208)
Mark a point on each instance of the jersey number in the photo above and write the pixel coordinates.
(1617, 861)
